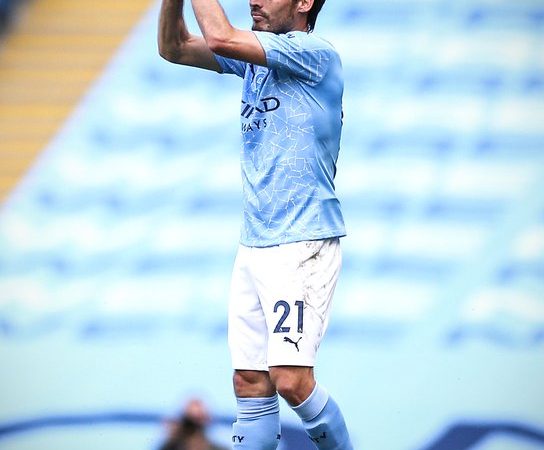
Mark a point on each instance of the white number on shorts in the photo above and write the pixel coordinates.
(286, 310)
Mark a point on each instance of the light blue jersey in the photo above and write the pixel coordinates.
(291, 124)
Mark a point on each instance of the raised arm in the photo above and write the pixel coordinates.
(222, 38)
(175, 42)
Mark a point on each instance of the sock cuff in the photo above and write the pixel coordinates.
(313, 405)
(251, 408)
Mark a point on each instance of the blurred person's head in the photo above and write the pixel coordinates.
(195, 416)
(188, 431)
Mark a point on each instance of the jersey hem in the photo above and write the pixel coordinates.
(292, 239)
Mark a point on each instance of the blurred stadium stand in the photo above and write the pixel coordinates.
(7, 8)
(116, 247)
(52, 53)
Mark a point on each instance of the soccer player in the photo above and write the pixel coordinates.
(289, 255)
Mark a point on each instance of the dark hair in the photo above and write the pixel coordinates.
(312, 14)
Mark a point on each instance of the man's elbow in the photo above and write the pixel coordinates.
(217, 44)
(221, 42)
(169, 52)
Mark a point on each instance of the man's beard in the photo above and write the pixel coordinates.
(261, 25)
(266, 26)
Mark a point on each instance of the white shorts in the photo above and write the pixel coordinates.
(279, 303)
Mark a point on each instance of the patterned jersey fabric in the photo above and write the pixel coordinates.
(291, 118)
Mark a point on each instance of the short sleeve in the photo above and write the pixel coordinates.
(301, 54)
(231, 66)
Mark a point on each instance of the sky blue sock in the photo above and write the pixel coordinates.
(323, 421)
(258, 424)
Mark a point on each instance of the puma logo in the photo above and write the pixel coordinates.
(286, 339)
(317, 439)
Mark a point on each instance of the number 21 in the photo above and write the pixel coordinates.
(286, 310)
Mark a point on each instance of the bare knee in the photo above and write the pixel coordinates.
(294, 384)
(252, 383)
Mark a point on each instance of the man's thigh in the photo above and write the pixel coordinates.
(247, 329)
(295, 285)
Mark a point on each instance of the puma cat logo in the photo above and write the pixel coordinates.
(317, 439)
(286, 339)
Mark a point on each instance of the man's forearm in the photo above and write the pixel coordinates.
(222, 38)
(172, 29)
(212, 21)
(177, 45)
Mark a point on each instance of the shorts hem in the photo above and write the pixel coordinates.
(298, 362)
(248, 366)
(265, 367)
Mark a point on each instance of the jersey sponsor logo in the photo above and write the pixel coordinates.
(265, 105)
(237, 439)
(258, 125)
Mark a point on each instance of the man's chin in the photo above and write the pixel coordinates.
(258, 26)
